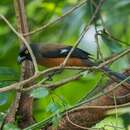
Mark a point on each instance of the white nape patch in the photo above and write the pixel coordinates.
(63, 51)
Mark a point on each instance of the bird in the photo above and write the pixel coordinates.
(51, 55)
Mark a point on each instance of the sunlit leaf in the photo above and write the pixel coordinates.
(3, 98)
(2, 115)
(3, 10)
(8, 73)
(39, 92)
(56, 119)
(50, 6)
(52, 107)
(10, 127)
(111, 123)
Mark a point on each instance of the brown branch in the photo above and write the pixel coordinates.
(55, 85)
(17, 85)
(78, 126)
(27, 69)
(10, 117)
(102, 107)
(22, 101)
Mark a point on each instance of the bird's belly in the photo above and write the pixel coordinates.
(51, 62)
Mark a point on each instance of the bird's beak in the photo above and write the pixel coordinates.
(20, 59)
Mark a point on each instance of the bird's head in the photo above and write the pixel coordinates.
(23, 55)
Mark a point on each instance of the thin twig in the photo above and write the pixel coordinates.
(83, 32)
(58, 19)
(102, 107)
(105, 31)
(79, 126)
(16, 85)
(114, 58)
(116, 111)
(73, 109)
(99, 53)
(54, 85)
(99, 95)
(25, 42)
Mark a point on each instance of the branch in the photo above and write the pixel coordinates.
(24, 41)
(89, 116)
(112, 86)
(17, 85)
(84, 32)
(57, 20)
(91, 111)
(27, 68)
(53, 86)
(114, 58)
(24, 82)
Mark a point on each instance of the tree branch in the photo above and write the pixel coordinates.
(83, 32)
(24, 41)
(57, 20)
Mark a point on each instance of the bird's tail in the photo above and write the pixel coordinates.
(117, 76)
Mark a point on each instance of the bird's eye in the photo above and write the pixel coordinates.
(26, 52)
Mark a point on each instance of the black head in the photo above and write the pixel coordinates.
(23, 55)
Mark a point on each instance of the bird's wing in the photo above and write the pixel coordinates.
(54, 51)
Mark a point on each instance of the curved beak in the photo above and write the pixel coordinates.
(20, 59)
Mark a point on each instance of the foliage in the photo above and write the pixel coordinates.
(115, 14)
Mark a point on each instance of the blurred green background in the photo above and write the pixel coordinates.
(114, 17)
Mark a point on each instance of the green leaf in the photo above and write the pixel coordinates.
(5, 83)
(3, 98)
(3, 10)
(8, 73)
(111, 123)
(10, 127)
(122, 3)
(2, 115)
(39, 92)
(52, 107)
(56, 120)
(113, 45)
